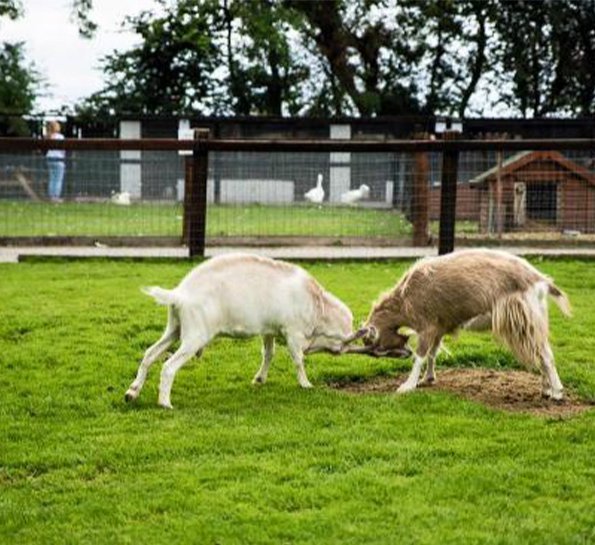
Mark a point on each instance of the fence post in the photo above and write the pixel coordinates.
(420, 196)
(195, 195)
(448, 197)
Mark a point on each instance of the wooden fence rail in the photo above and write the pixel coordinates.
(297, 145)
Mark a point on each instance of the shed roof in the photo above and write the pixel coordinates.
(520, 160)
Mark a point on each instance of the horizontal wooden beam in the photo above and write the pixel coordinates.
(8, 145)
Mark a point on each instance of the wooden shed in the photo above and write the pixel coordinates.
(535, 191)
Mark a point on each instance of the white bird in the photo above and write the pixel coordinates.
(351, 197)
(121, 198)
(316, 194)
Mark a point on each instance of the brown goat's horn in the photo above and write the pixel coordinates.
(361, 332)
(358, 350)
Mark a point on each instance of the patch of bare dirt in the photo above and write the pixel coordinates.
(515, 391)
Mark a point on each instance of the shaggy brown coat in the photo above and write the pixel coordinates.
(436, 296)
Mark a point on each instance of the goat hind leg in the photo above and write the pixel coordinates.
(552, 385)
(153, 353)
(268, 351)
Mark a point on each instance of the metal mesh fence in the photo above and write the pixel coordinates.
(541, 195)
(375, 197)
(103, 193)
(249, 194)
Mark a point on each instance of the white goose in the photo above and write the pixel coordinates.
(316, 194)
(351, 197)
(121, 198)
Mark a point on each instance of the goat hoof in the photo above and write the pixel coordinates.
(258, 380)
(553, 396)
(405, 389)
(130, 395)
(168, 406)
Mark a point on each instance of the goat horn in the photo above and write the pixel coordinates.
(361, 332)
(358, 350)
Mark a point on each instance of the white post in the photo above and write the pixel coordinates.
(340, 171)
(184, 133)
(130, 173)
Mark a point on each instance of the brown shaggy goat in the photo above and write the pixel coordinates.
(475, 289)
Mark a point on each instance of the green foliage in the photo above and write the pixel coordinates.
(274, 464)
(171, 71)
(343, 57)
(20, 81)
(548, 47)
(19, 85)
(11, 9)
(81, 16)
(211, 56)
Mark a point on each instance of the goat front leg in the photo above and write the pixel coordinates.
(268, 351)
(296, 344)
(426, 350)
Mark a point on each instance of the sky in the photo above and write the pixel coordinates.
(70, 64)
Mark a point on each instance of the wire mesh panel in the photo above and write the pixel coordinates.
(307, 195)
(527, 195)
(299, 193)
(97, 194)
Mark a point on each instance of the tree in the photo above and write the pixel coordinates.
(548, 46)
(351, 45)
(405, 57)
(171, 72)
(11, 9)
(358, 57)
(264, 72)
(80, 13)
(19, 81)
(229, 56)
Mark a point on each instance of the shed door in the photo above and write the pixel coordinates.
(520, 204)
(542, 202)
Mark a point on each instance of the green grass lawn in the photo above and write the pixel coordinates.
(23, 218)
(236, 464)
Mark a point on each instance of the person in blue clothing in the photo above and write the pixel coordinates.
(55, 161)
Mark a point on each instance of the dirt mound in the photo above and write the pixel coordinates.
(516, 391)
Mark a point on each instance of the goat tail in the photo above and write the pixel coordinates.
(521, 327)
(162, 296)
(560, 299)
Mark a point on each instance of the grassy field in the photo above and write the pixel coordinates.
(236, 464)
(22, 218)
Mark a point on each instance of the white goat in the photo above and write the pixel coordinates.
(242, 295)
(473, 289)
(355, 195)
